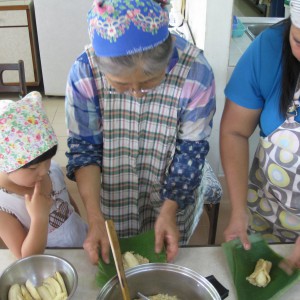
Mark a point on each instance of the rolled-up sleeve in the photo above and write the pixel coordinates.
(197, 108)
(83, 118)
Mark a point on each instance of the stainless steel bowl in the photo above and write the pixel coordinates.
(161, 278)
(36, 268)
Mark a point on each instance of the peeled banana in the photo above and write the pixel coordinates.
(44, 292)
(52, 288)
(32, 290)
(54, 283)
(130, 260)
(25, 293)
(260, 277)
(15, 292)
(61, 282)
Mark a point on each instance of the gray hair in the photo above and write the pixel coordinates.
(152, 61)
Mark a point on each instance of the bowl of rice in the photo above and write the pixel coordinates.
(161, 281)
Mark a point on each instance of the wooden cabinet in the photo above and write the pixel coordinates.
(18, 40)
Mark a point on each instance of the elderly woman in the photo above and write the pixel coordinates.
(139, 106)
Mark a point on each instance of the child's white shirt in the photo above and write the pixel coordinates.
(66, 228)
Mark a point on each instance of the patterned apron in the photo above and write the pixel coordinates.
(274, 181)
(139, 137)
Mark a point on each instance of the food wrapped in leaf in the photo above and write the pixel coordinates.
(261, 277)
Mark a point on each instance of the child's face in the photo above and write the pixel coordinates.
(27, 177)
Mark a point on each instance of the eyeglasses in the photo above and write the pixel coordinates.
(134, 92)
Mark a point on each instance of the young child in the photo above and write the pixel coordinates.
(35, 208)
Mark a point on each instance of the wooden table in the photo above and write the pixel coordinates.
(204, 260)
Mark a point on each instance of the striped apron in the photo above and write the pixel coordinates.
(139, 139)
(274, 181)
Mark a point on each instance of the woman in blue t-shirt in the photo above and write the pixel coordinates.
(264, 90)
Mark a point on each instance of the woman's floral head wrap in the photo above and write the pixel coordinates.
(125, 27)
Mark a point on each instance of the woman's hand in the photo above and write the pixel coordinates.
(166, 230)
(96, 239)
(293, 260)
(295, 255)
(237, 228)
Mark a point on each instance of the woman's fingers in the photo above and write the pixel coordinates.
(293, 260)
(96, 240)
(245, 241)
(92, 250)
(172, 247)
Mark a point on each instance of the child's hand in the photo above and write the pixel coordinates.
(38, 206)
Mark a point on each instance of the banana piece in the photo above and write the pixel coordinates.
(44, 292)
(61, 296)
(260, 277)
(53, 288)
(25, 293)
(14, 292)
(129, 260)
(53, 282)
(61, 282)
(32, 290)
(50, 288)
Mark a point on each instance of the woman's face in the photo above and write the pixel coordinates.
(295, 41)
(27, 177)
(137, 83)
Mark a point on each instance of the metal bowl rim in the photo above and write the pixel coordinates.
(34, 256)
(164, 267)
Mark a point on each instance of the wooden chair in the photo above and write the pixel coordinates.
(211, 191)
(18, 87)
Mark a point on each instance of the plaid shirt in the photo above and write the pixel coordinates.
(196, 109)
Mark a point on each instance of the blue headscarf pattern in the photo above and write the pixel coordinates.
(125, 27)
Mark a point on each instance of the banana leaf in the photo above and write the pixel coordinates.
(142, 244)
(242, 263)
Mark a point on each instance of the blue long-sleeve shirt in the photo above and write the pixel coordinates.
(196, 109)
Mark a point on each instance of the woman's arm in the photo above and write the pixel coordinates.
(74, 204)
(85, 152)
(88, 181)
(237, 125)
(197, 107)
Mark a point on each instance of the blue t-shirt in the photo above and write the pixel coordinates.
(256, 80)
